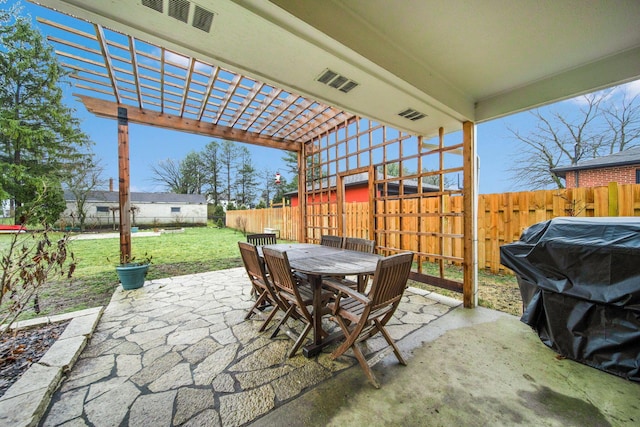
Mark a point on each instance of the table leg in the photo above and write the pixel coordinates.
(318, 343)
(316, 282)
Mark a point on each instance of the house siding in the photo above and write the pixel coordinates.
(151, 209)
(603, 176)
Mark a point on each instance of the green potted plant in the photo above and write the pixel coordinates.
(132, 272)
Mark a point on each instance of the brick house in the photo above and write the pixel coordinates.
(622, 167)
(357, 189)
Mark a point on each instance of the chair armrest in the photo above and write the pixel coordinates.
(340, 288)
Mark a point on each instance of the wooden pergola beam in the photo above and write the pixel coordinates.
(108, 109)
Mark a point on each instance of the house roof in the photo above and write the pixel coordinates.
(363, 179)
(112, 197)
(630, 156)
(450, 61)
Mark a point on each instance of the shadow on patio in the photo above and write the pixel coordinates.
(178, 352)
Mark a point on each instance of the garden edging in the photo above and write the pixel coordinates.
(27, 399)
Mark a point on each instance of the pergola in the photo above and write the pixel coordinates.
(351, 86)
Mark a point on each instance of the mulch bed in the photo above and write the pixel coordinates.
(18, 351)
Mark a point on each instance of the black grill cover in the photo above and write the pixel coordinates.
(580, 284)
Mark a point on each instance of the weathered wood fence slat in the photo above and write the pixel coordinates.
(501, 218)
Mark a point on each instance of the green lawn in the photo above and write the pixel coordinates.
(195, 251)
(198, 250)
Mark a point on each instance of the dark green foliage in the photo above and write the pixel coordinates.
(39, 137)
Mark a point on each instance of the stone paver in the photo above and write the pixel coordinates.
(179, 352)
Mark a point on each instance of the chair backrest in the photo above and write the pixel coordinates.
(280, 270)
(256, 270)
(251, 259)
(262, 239)
(390, 280)
(333, 241)
(360, 245)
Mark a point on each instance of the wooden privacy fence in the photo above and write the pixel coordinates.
(501, 218)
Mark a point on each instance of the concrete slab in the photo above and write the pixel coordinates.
(475, 367)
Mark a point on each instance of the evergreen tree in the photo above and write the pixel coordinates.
(247, 179)
(39, 137)
(228, 165)
(193, 173)
(212, 165)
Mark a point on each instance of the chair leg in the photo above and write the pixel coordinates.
(364, 365)
(259, 301)
(350, 337)
(282, 321)
(271, 315)
(387, 337)
(300, 339)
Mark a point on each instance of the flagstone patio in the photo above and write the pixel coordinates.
(179, 352)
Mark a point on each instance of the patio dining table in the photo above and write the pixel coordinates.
(317, 261)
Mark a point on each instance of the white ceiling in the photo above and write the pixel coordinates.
(454, 60)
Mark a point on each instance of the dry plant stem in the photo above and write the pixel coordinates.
(26, 267)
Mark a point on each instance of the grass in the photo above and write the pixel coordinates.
(195, 251)
(198, 250)
(495, 291)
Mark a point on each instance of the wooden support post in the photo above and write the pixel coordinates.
(470, 273)
(373, 195)
(124, 185)
(302, 194)
(340, 207)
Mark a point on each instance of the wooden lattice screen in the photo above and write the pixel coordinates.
(412, 182)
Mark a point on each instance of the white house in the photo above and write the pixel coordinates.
(161, 209)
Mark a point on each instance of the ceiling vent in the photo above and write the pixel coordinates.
(202, 19)
(153, 4)
(412, 114)
(181, 10)
(335, 80)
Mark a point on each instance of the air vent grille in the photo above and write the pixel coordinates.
(336, 81)
(412, 114)
(153, 4)
(202, 19)
(181, 10)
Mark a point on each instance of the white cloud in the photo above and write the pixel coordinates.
(631, 88)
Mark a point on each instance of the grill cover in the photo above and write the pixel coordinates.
(580, 284)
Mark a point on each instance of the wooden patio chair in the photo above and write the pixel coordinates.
(262, 287)
(332, 241)
(362, 316)
(261, 239)
(298, 295)
(360, 245)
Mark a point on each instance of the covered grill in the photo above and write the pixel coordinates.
(580, 284)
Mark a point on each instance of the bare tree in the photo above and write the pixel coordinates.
(83, 179)
(623, 120)
(605, 123)
(168, 173)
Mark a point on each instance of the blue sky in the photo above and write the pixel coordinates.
(149, 145)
